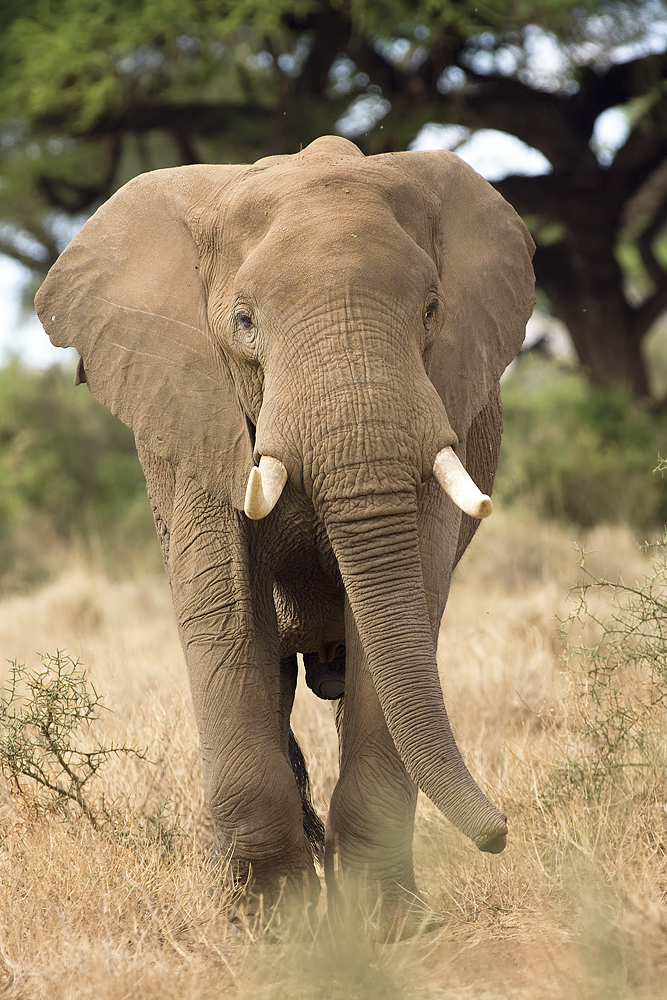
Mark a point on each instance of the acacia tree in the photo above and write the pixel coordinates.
(98, 90)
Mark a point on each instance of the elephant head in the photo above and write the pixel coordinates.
(337, 322)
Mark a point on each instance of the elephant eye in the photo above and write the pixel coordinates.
(244, 320)
(430, 311)
(245, 329)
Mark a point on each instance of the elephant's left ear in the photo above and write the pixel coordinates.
(483, 252)
(128, 295)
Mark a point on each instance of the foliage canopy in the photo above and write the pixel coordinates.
(95, 91)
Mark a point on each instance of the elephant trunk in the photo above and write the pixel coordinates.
(354, 452)
(378, 556)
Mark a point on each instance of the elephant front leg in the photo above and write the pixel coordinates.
(369, 865)
(250, 788)
(229, 632)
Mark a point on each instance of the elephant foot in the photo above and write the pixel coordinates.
(274, 916)
(326, 679)
(268, 904)
(384, 911)
(401, 916)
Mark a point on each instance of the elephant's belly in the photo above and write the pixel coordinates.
(308, 597)
(309, 608)
(310, 621)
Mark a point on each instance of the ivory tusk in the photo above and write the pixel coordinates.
(265, 485)
(458, 485)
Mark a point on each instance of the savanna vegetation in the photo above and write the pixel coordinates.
(69, 478)
(578, 453)
(566, 728)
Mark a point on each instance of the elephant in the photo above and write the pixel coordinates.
(308, 350)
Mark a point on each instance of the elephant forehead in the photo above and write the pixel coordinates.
(306, 197)
(328, 262)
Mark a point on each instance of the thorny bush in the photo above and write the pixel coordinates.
(42, 715)
(618, 670)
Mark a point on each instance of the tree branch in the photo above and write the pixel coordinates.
(561, 125)
(643, 152)
(184, 147)
(558, 125)
(621, 82)
(332, 35)
(381, 72)
(544, 194)
(67, 195)
(7, 250)
(197, 118)
(649, 311)
(645, 244)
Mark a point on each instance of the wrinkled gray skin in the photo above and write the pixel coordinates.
(349, 316)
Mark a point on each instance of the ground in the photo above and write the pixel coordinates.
(574, 907)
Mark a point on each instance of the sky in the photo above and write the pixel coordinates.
(19, 333)
(493, 154)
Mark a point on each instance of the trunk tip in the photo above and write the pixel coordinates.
(496, 842)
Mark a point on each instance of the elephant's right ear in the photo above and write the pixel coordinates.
(127, 294)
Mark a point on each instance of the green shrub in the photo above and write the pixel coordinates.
(68, 472)
(580, 453)
(61, 453)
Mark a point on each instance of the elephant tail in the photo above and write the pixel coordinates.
(313, 827)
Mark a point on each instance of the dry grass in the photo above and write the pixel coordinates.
(574, 908)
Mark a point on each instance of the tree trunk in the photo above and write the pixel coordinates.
(585, 286)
